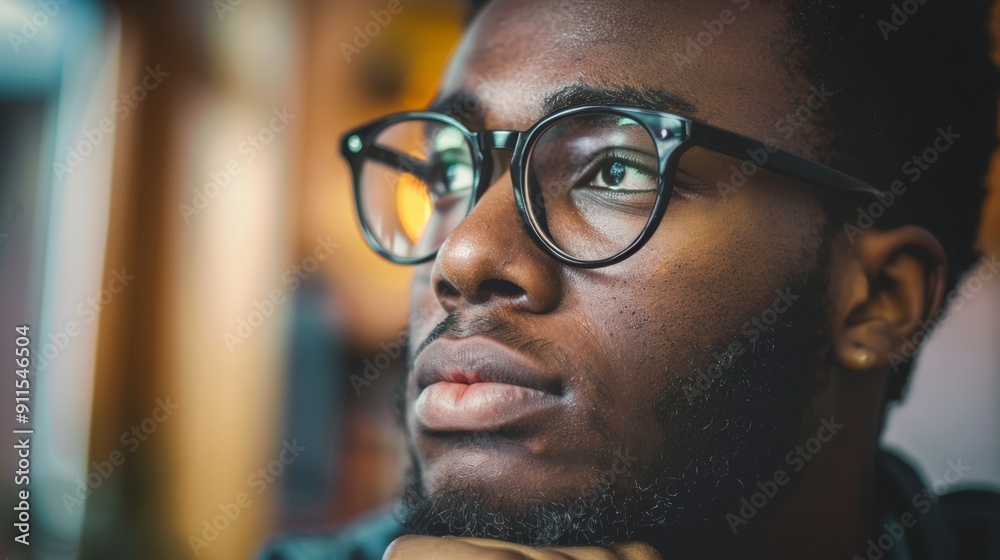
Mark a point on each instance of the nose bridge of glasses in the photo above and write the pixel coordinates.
(498, 140)
(492, 140)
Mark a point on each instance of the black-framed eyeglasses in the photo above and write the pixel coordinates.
(591, 183)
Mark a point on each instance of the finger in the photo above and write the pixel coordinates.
(414, 547)
(570, 552)
(528, 552)
(635, 550)
(418, 547)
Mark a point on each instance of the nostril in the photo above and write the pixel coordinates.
(501, 287)
(445, 289)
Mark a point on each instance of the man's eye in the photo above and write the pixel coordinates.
(450, 176)
(458, 177)
(623, 175)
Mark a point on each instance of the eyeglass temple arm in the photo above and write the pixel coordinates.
(397, 160)
(778, 160)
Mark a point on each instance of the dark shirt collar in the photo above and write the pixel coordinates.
(912, 521)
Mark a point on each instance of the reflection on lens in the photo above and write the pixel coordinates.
(416, 186)
(413, 202)
(592, 182)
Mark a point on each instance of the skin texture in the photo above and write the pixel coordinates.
(621, 341)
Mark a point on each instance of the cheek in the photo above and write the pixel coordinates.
(710, 267)
(723, 260)
(619, 348)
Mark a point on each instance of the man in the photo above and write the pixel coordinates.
(663, 325)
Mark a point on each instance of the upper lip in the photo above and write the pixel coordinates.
(478, 359)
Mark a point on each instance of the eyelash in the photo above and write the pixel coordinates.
(595, 167)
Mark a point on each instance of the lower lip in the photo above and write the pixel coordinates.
(465, 407)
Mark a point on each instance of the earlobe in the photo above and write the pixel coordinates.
(883, 287)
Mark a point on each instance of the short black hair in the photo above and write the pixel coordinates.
(904, 71)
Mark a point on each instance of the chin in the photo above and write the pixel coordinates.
(515, 472)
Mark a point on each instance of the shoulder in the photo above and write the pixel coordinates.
(962, 524)
(974, 517)
(362, 540)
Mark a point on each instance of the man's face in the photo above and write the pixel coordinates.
(601, 370)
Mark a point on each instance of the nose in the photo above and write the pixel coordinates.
(491, 259)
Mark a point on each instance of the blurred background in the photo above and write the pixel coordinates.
(207, 325)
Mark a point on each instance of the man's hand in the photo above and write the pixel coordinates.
(415, 547)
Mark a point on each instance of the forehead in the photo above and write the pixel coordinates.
(725, 60)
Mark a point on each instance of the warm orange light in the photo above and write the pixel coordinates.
(413, 205)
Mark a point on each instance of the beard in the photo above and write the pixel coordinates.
(729, 423)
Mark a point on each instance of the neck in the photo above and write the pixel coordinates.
(831, 510)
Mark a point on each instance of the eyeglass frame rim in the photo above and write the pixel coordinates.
(680, 134)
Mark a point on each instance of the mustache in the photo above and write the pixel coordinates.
(458, 325)
(437, 332)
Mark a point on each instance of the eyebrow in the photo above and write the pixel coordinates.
(576, 95)
(468, 107)
(464, 106)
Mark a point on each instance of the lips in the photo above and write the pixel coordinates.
(475, 384)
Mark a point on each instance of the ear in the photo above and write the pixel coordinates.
(884, 287)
